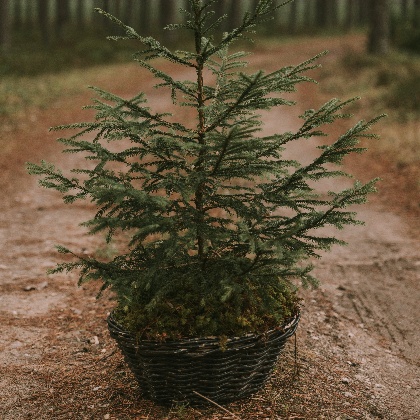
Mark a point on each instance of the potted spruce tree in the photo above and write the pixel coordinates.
(215, 229)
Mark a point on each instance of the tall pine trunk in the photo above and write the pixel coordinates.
(43, 21)
(321, 13)
(5, 26)
(364, 11)
(404, 12)
(105, 22)
(62, 17)
(117, 8)
(350, 14)
(145, 16)
(293, 15)
(17, 22)
(80, 14)
(128, 12)
(234, 14)
(416, 14)
(167, 9)
(332, 13)
(378, 40)
(29, 15)
(308, 15)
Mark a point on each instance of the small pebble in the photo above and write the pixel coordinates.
(94, 340)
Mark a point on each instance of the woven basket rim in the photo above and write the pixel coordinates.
(287, 329)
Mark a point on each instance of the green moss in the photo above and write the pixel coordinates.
(186, 315)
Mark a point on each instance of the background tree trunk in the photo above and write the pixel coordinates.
(127, 13)
(26, 15)
(364, 11)
(145, 16)
(308, 14)
(117, 9)
(234, 14)
(321, 13)
(80, 14)
(105, 21)
(5, 26)
(43, 21)
(167, 9)
(105, 5)
(293, 17)
(404, 9)
(17, 21)
(254, 4)
(378, 40)
(416, 14)
(332, 13)
(350, 14)
(62, 17)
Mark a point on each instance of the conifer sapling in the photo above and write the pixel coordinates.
(213, 226)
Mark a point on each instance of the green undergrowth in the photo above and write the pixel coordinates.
(19, 93)
(388, 81)
(390, 85)
(29, 56)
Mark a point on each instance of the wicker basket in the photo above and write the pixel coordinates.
(173, 371)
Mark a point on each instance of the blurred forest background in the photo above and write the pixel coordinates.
(50, 35)
(50, 48)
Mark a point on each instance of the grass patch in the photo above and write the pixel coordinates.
(388, 85)
(404, 94)
(19, 93)
(33, 74)
(30, 56)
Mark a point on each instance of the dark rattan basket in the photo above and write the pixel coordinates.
(177, 370)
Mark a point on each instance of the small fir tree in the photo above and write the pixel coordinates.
(218, 224)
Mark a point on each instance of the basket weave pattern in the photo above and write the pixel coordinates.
(177, 370)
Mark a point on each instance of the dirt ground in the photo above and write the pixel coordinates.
(356, 354)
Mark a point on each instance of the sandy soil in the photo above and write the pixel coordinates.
(357, 346)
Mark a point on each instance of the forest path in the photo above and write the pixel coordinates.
(358, 339)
